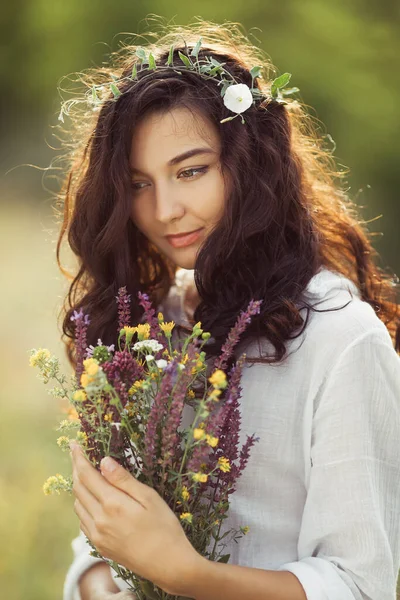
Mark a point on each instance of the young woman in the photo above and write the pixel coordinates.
(321, 383)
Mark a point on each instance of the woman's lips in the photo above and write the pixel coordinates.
(184, 240)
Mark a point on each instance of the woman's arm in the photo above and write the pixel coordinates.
(95, 581)
(87, 573)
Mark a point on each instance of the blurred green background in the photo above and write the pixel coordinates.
(344, 58)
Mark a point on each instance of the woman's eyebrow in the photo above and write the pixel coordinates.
(183, 156)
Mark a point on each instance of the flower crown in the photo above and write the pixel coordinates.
(237, 97)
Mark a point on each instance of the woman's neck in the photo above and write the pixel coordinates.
(191, 300)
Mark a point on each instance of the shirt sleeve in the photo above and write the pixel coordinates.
(82, 561)
(349, 541)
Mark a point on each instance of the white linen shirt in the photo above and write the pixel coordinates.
(321, 490)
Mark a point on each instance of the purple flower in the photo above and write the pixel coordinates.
(154, 423)
(89, 349)
(170, 437)
(148, 315)
(233, 337)
(124, 310)
(81, 323)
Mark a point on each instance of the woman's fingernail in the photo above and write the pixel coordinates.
(108, 464)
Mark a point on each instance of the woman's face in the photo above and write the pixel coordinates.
(173, 194)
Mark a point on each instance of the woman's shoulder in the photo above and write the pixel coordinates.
(344, 316)
(338, 316)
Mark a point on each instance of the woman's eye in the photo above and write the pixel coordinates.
(199, 170)
(137, 186)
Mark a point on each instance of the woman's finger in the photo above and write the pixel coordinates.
(93, 480)
(86, 521)
(85, 497)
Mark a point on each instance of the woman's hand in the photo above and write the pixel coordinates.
(129, 522)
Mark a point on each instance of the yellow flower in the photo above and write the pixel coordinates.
(223, 464)
(136, 386)
(79, 396)
(211, 441)
(186, 516)
(214, 395)
(143, 330)
(198, 433)
(129, 330)
(191, 394)
(202, 477)
(72, 414)
(167, 328)
(108, 417)
(245, 529)
(81, 436)
(218, 379)
(185, 493)
(38, 356)
(85, 379)
(55, 484)
(63, 443)
(185, 359)
(89, 361)
(197, 327)
(160, 316)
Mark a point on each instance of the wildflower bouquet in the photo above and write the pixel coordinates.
(128, 404)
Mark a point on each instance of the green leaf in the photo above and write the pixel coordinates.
(185, 59)
(279, 82)
(292, 90)
(141, 53)
(148, 589)
(255, 72)
(134, 71)
(171, 52)
(94, 95)
(229, 119)
(152, 62)
(196, 49)
(224, 87)
(214, 70)
(115, 90)
(215, 62)
(205, 68)
(224, 558)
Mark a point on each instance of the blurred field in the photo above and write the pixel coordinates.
(35, 529)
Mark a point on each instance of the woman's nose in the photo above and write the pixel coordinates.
(168, 204)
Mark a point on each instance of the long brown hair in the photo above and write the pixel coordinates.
(286, 215)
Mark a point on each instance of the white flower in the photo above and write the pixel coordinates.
(238, 97)
(152, 345)
(161, 363)
(149, 357)
(181, 366)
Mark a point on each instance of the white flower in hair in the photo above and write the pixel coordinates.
(238, 97)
